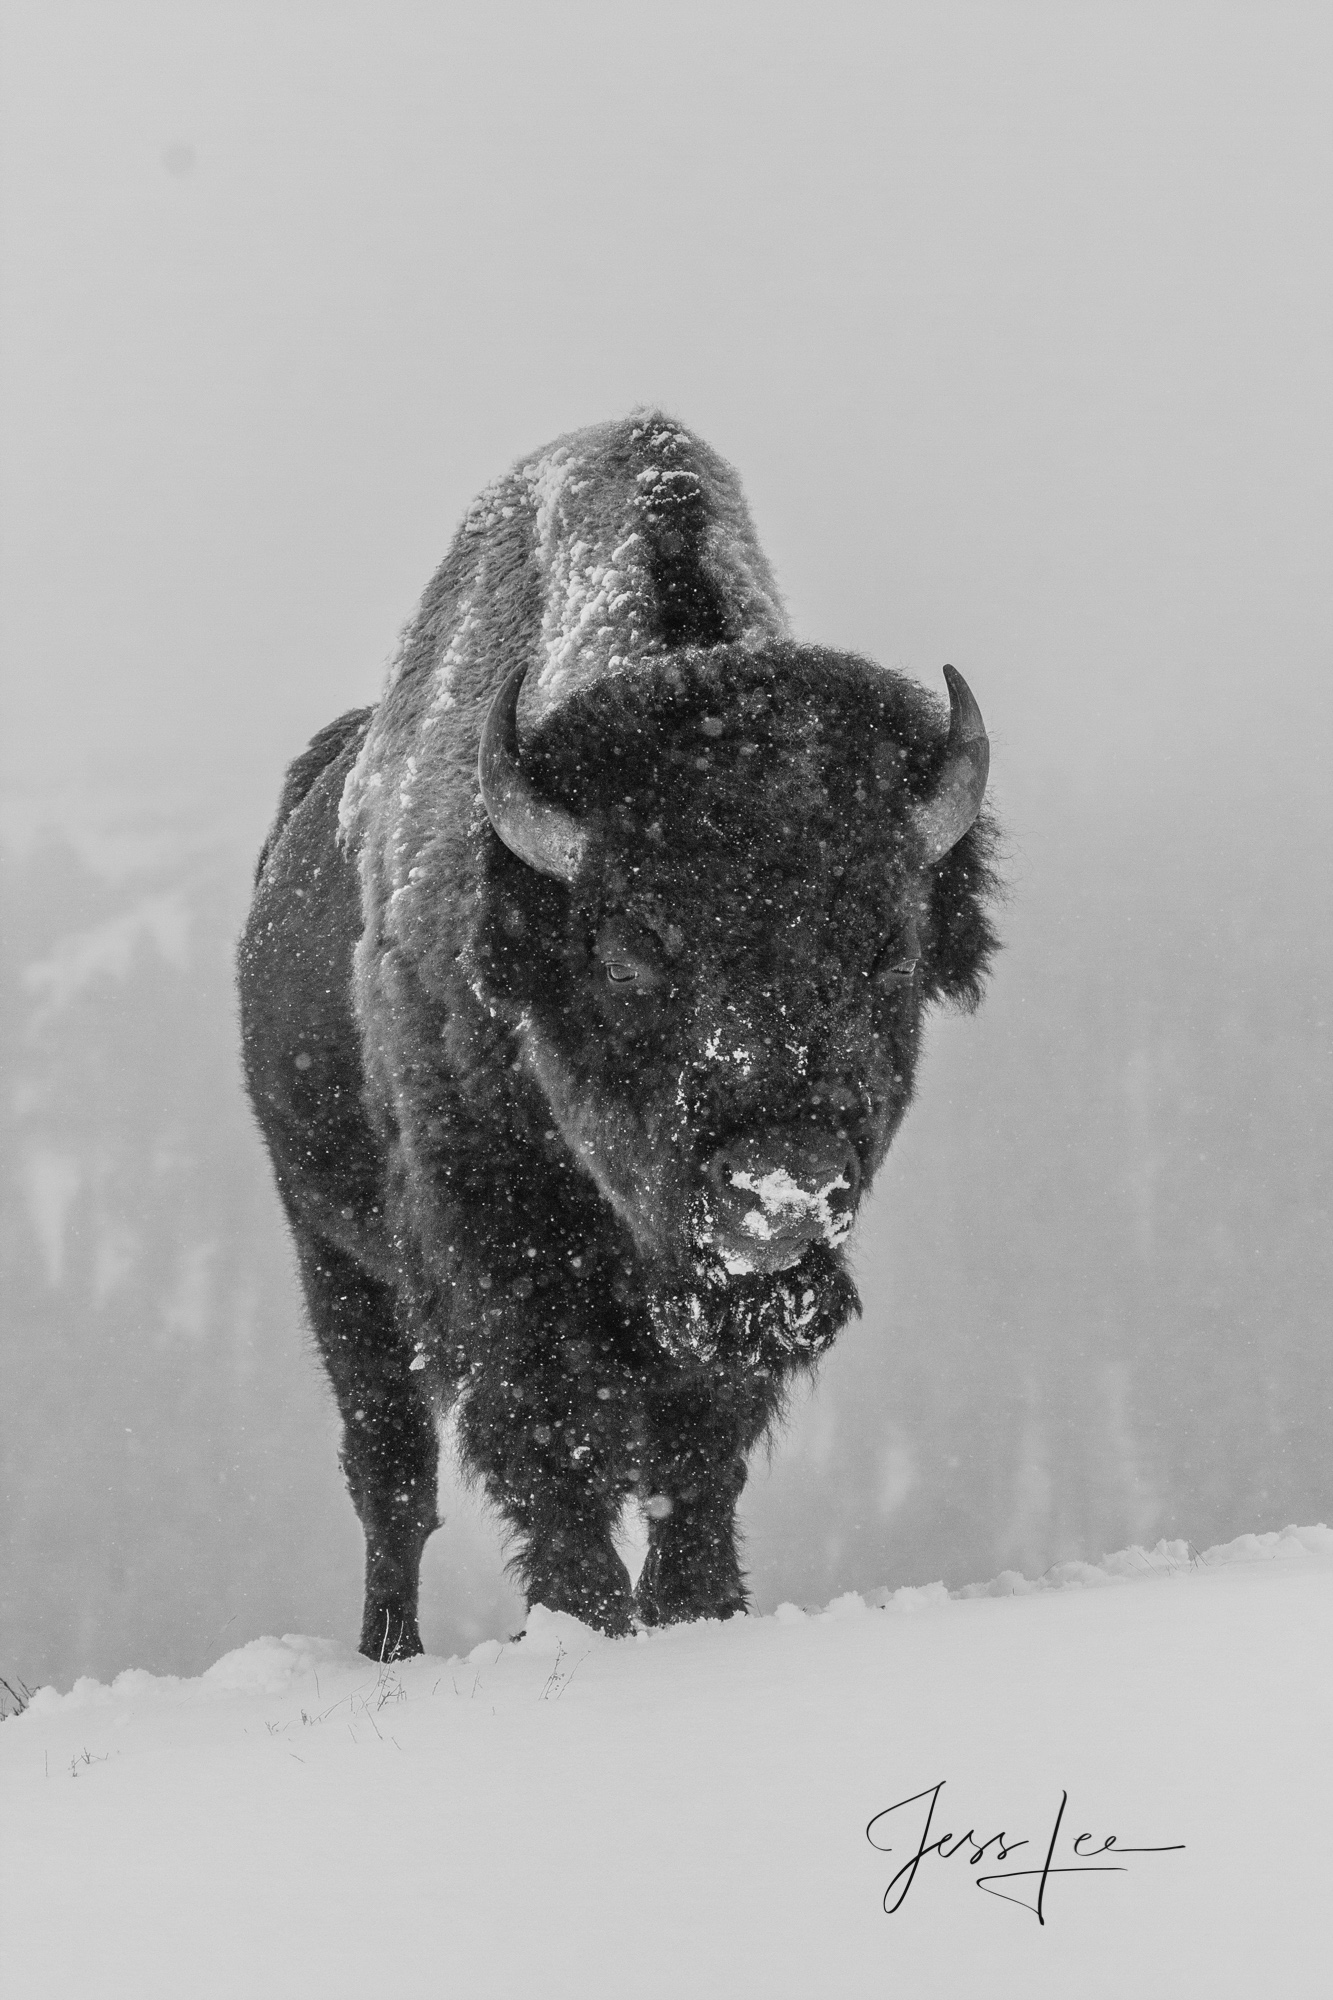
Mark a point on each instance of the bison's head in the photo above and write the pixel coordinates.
(723, 890)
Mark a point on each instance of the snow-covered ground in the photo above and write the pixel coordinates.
(687, 1812)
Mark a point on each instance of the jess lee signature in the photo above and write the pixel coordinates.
(948, 1847)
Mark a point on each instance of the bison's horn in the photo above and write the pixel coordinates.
(943, 818)
(545, 836)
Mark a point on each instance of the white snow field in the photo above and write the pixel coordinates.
(686, 1812)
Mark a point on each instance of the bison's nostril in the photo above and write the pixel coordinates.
(794, 1180)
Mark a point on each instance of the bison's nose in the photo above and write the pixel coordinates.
(771, 1196)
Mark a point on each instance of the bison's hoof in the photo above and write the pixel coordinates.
(687, 1614)
(615, 1621)
(390, 1635)
(657, 1604)
(594, 1588)
(611, 1613)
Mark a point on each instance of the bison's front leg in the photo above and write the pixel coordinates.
(691, 1475)
(545, 1430)
(390, 1450)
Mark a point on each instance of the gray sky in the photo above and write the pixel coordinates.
(1016, 321)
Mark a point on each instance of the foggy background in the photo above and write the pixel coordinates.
(1016, 321)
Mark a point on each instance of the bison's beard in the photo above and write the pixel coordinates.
(770, 1323)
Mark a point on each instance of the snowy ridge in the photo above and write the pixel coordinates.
(1164, 1560)
(731, 1809)
(276, 1666)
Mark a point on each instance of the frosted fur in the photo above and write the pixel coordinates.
(552, 565)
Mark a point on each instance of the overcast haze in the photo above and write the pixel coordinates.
(1016, 322)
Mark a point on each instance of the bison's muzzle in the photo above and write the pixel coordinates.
(771, 1196)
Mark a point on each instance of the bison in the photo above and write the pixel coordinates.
(581, 1000)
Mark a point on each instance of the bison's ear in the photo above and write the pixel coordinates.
(943, 818)
(962, 939)
(544, 835)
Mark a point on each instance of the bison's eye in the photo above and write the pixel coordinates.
(896, 965)
(898, 959)
(629, 963)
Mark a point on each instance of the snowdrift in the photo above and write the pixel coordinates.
(1110, 1780)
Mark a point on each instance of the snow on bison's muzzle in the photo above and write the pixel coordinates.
(769, 1197)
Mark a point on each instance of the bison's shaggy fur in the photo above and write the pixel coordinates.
(509, 1114)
